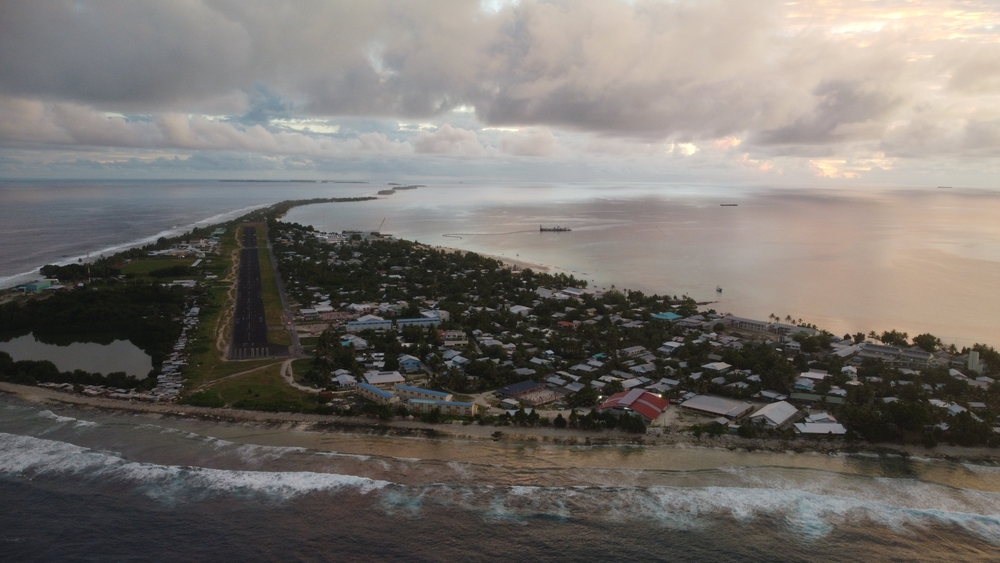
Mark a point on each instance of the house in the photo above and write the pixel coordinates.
(636, 401)
(356, 341)
(776, 415)
(632, 351)
(385, 379)
(669, 347)
(717, 406)
(345, 380)
(520, 310)
(408, 363)
(718, 367)
(380, 396)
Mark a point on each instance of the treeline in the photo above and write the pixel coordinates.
(30, 372)
(149, 316)
(74, 272)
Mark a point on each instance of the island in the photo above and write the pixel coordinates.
(364, 329)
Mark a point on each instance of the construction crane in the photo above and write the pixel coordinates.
(379, 231)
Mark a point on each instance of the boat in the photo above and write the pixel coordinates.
(556, 229)
(718, 289)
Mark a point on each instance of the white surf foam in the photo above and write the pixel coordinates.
(61, 419)
(31, 457)
(15, 279)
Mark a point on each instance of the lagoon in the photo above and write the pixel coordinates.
(119, 355)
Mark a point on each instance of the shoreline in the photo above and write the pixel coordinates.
(409, 429)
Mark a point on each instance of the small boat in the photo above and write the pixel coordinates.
(718, 289)
(556, 229)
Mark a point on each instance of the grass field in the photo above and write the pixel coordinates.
(206, 363)
(263, 390)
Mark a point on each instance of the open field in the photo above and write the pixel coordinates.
(262, 389)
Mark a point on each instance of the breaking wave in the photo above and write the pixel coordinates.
(808, 503)
(36, 457)
(61, 419)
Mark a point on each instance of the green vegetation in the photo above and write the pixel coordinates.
(263, 390)
(27, 372)
(144, 266)
(146, 315)
(80, 272)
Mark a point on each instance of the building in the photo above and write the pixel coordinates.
(669, 347)
(409, 392)
(632, 351)
(345, 380)
(408, 363)
(636, 401)
(450, 408)
(668, 316)
(418, 321)
(973, 362)
(718, 367)
(369, 322)
(717, 406)
(445, 316)
(820, 428)
(385, 379)
(520, 310)
(893, 356)
(776, 415)
(518, 389)
(356, 341)
(740, 323)
(380, 396)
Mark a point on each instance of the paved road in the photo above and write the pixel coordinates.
(296, 349)
(249, 326)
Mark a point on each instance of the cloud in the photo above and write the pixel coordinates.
(843, 111)
(638, 79)
(448, 140)
(529, 142)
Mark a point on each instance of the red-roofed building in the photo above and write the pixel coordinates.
(638, 401)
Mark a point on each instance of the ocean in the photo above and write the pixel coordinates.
(82, 485)
(847, 260)
(90, 486)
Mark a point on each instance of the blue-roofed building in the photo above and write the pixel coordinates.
(410, 392)
(518, 389)
(451, 408)
(668, 316)
(408, 363)
(380, 396)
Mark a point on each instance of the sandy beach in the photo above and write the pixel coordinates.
(411, 429)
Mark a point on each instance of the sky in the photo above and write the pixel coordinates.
(813, 92)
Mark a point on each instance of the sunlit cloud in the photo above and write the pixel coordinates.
(819, 88)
